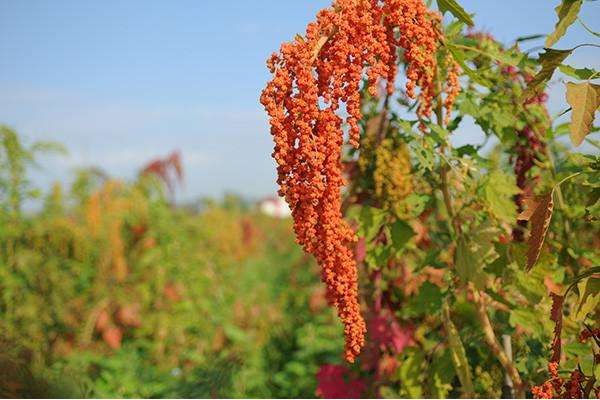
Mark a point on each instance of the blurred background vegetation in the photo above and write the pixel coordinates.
(109, 290)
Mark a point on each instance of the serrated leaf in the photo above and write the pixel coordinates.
(578, 73)
(538, 212)
(456, 10)
(589, 297)
(510, 57)
(549, 60)
(499, 191)
(370, 222)
(457, 351)
(567, 14)
(459, 57)
(584, 99)
(473, 250)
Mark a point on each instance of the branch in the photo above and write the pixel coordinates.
(482, 316)
(494, 345)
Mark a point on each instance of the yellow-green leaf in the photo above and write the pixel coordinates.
(589, 297)
(499, 190)
(456, 10)
(474, 249)
(584, 99)
(567, 14)
(579, 73)
(550, 59)
(457, 350)
(459, 57)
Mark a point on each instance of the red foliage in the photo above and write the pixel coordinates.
(102, 321)
(169, 169)
(389, 334)
(173, 292)
(129, 315)
(334, 383)
(112, 336)
(556, 315)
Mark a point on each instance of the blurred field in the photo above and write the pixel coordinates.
(109, 290)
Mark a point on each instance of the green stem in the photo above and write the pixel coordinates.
(482, 314)
(559, 196)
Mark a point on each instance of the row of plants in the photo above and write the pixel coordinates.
(107, 289)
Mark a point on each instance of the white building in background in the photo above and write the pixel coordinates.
(275, 207)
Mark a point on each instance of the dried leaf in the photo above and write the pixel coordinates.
(556, 315)
(320, 43)
(529, 204)
(549, 60)
(567, 14)
(584, 99)
(538, 212)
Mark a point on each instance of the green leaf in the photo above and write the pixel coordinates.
(578, 73)
(370, 220)
(584, 99)
(528, 37)
(416, 203)
(424, 155)
(567, 14)
(427, 302)
(589, 297)
(549, 60)
(459, 57)
(456, 10)
(467, 149)
(377, 255)
(410, 374)
(528, 319)
(474, 249)
(438, 133)
(499, 190)
(459, 356)
(509, 57)
(400, 234)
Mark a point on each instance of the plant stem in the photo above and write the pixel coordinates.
(482, 315)
(494, 345)
(559, 195)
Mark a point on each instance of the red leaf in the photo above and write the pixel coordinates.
(112, 336)
(102, 321)
(333, 383)
(556, 315)
(129, 315)
(361, 250)
(387, 332)
(539, 214)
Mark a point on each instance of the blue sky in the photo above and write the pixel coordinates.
(120, 82)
